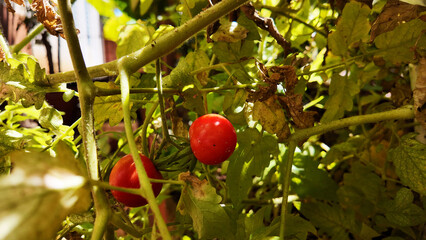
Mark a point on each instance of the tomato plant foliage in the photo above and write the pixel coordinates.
(327, 99)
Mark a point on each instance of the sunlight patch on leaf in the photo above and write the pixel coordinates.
(39, 193)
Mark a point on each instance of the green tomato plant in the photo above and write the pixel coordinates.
(261, 120)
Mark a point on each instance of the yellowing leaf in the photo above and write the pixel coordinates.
(39, 193)
(133, 37)
(200, 201)
(352, 28)
(270, 114)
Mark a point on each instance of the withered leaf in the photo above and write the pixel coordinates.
(47, 15)
(270, 114)
(9, 5)
(294, 105)
(2, 54)
(419, 94)
(394, 13)
(287, 73)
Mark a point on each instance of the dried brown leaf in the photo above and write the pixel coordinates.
(393, 14)
(294, 105)
(271, 115)
(47, 15)
(2, 54)
(419, 94)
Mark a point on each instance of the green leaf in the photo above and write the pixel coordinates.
(352, 28)
(339, 150)
(18, 84)
(397, 45)
(194, 100)
(104, 7)
(341, 91)
(39, 193)
(234, 52)
(133, 37)
(11, 140)
(50, 118)
(108, 108)
(144, 6)
(200, 201)
(409, 159)
(229, 32)
(253, 155)
(233, 106)
(113, 26)
(362, 190)
(309, 181)
(296, 228)
(402, 212)
(331, 219)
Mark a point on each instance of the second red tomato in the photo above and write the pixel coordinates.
(212, 138)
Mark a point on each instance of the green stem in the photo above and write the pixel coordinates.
(165, 129)
(142, 175)
(130, 229)
(59, 138)
(145, 124)
(85, 88)
(160, 47)
(295, 18)
(107, 92)
(286, 172)
(30, 36)
(405, 112)
(239, 86)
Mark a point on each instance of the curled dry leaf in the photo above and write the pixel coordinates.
(47, 15)
(9, 5)
(419, 95)
(294, 105)
(2, 54)
(394, 13)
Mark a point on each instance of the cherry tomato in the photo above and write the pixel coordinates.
(124, 174)
(212, 138)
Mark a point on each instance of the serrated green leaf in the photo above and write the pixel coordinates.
(39, 193)
(11, 140)
(233, 52)
(402, 212)
(332, 219)
(341, 91)
(337, 151)
(353, 27)
(233, 106)
(396, 45)
(50, 118)
(133, 37)
(200, 201)
(194, 100)
(251, 157)
(104, 7)
(409, 159)
(296, 228)
(108, 108)
(309, 181)
(362, 190)
(17, 84)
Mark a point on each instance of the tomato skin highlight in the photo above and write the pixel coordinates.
(212, 138)
(124, 174)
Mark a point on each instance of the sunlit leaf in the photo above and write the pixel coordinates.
(341, 91)
(39, 193)
(352, 28)
(133, 37)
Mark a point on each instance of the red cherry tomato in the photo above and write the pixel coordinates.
(212, 138)
(124, 174)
